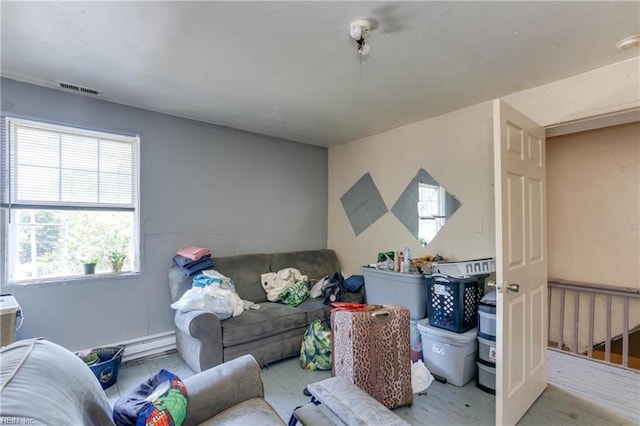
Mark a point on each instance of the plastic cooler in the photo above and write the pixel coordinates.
(408, 290)
(452, 303)
(449, 355)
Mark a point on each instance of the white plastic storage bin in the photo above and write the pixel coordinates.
(409, 290)
(467, 268)
(487, 316)
(487, 351)
(8, 311)
(449, 355)
(486, 378)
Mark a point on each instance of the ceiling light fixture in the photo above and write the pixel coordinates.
(631, 41)
(359, 30)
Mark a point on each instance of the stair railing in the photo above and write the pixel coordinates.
(558, 292)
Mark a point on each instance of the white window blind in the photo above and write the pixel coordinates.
(53, 166)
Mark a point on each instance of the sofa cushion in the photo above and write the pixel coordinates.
(269, 320)
(269, 349)
(313, 263)
(315, 309)
(245, 271)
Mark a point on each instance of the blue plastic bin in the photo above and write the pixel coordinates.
(108, 364)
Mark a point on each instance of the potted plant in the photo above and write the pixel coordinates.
(116, 260)
(90, 265)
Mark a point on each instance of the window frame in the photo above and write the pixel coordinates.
(438, 219)
(8, 248)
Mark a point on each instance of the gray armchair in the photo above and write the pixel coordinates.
(229, 394)
(44, 383)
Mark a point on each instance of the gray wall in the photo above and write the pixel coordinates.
(203, 184)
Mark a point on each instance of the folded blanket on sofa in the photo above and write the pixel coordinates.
(192, 267)
(194, 252)
(185, 262)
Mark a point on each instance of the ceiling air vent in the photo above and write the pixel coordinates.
(79, 89)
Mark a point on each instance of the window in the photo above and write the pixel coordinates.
(70, 197)
(431, 211)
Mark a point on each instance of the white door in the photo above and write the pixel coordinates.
(521, 264)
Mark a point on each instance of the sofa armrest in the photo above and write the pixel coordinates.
(199, 339)
(197, 323)
(220, 388)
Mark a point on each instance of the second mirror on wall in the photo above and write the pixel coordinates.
(424, 207)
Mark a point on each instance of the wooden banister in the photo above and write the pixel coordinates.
(610, 294)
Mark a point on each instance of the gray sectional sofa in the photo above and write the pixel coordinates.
(271, 333)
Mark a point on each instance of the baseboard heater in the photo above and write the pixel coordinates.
(148, 346)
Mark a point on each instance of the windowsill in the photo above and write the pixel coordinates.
(76, 279)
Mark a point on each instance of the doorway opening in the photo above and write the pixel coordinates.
(593, 210)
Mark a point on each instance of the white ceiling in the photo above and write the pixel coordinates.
(290, 69)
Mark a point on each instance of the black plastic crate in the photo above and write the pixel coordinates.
(452, 303)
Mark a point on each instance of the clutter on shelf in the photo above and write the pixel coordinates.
(401, 261)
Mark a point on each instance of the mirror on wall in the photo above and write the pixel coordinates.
(363, 204)
(424, 207)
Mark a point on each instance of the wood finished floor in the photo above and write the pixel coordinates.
(580, 392)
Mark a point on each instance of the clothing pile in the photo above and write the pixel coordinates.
(288, 285)
(213, 292)
(193, 259)
(291, 287)
(331, 287)
(161, 400)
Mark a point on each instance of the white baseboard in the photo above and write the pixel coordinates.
(148, 345)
